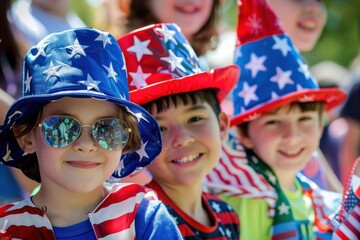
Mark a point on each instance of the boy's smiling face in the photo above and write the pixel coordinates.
(192, 137)
(285, 139)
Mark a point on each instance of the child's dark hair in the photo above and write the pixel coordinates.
(30, 165)
(206, 95)
(206, 38)
(304, 107)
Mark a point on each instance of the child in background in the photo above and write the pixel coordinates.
(278, 116)
(72, 130)
(304, 20)
(166, 79)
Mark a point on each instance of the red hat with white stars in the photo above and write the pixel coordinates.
(273, 73)
(160, 62)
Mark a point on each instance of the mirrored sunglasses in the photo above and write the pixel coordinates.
(60, 131)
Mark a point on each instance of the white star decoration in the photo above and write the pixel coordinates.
(7, 156)
(104, 37)
(256, 64)
(174, 61)
(303, 68)
(140, 48)
(139, 78)
(190, 50)
(91, 83)
(41, 51)
(282, 45)
(141, 152)
(216, 207)
(140, 117)
(111, 72)
(77, 49)
(282, 78)
(254, 23)
(167, 33)
(52, 71)
(283, 209)
(119, 167)
(228, 233)
(27, 82)
(271, 176)
(248, 93)
(274, 96)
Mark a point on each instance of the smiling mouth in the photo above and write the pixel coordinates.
(83, 164)
(292, 153)
(188, 159)
(187, 8)
(308, 25)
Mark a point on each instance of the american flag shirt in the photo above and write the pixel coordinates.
(114, 218)
(225, 222)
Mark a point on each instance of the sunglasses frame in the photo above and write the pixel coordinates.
(126, 129)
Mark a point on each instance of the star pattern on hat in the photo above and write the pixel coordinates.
(41, 50)
(174, 61)
(76, 48)
(27, 81)
(254, 24)
(119, 168)
(104, 38)
(111, 72)
(142, 151)
(256, 64)
(166, 33)
(90, 83)
(139, 78)
(140, 48)
(52, 71)
(248, 93)
(303, 68)
(282, 45)
(7, 156)
(282, 78)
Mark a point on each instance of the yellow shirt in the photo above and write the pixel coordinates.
(253, 213)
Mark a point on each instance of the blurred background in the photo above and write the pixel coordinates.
(339, 42)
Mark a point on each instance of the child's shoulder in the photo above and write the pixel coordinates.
(122, 191)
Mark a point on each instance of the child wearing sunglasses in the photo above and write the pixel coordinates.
(73, 129)
(166, 79)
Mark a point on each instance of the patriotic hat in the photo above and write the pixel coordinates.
(161, 62)
(79, 63)
(273, 73)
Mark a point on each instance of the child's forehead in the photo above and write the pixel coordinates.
(78, 106)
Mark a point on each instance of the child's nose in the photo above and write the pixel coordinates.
(85, 142)
(182, 137)
(290, 131)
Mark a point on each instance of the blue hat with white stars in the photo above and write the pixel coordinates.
(273, 73)
(79, 63)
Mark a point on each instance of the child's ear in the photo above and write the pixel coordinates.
(245, 140)
(26, 143)
(224, 124)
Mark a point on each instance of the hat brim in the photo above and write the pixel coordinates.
(222, 79)
(25, 108)
(332, 97)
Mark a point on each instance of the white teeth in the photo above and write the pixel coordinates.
(291, 153)
(187, 159)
